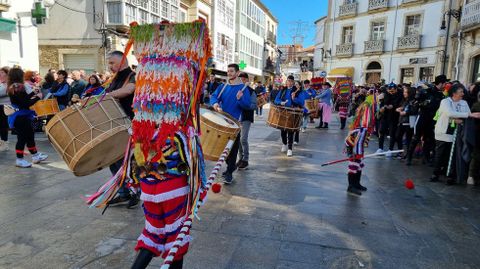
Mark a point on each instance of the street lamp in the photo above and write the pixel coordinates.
(445, 31)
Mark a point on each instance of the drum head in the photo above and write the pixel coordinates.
(218, 118)
(101, 152)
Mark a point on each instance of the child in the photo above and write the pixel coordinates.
(21, 120)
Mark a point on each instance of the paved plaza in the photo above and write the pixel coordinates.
(281, 213)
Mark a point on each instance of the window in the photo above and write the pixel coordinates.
(154, 6)
(174, 13)
(476, 69)
(412, 25)
(155, 18)
(346, 2)
(182, 15)
(165, 9)
(378, 31)
(144, 4)
(407, 75)
(426, 74)
(131, 13)
(143, 17)
(114, 12)
(347, 34)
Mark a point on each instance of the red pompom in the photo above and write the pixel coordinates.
(409, 184)
(216, 188)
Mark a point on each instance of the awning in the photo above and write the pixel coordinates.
(7, 25)
(340, 72)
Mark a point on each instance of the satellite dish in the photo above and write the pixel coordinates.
(48, 3)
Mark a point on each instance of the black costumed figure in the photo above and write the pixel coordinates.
(356, 141)
(165, 158)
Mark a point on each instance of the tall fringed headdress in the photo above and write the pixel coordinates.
(172, 66)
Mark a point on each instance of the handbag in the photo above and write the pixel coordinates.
(9, 110)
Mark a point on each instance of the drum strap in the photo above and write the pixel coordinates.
(225, 85)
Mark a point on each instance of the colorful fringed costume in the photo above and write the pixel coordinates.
(356, 141)
(172, 61)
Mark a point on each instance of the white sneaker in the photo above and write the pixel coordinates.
(22, 163)
(379, 151)
(470, 181)
(39, 157)
(284, 148)
(388, 154)
(303, 130)
(3, 145)
(295, 143)
(289, 153)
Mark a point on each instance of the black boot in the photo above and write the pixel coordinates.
(343, 122)
(351, 185)
(143, 259)
(325, 125)
(177, 264)
(358, 176)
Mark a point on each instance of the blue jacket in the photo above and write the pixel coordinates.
(325, 96)
(311, 93)
(228, 99)
(286, 95)
(30, 114)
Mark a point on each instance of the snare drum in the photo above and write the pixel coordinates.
(311, 105)
(46, 107)
(285, 118)
(261, 100)
(217, 129)
(90, 138)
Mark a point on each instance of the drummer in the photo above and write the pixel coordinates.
(259, 90)
(286, 97)
(231, 98)
(122, 88)
(311, 93)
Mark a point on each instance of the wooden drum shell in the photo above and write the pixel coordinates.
(285, 118)
(89, 139)
(215, 136)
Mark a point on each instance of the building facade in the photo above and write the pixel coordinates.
(18, 36)
(319, 52)
(384, 40)
(223, 33)
(464, 51)
(270, 68)
(250, 36)
(79, 34)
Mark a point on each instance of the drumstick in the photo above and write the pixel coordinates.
(187, 225)
(364, 157)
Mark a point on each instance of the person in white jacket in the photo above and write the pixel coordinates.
(451, 113)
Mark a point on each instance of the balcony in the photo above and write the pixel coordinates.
(409, 43)
(344, 50)
(4, 5)
(271, 37)
(377, 5)
(412, 2)
(471, 15)
(374, 47)
(348, 10)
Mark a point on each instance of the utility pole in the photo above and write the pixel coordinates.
(297, 31)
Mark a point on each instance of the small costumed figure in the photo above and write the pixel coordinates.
(357, 141)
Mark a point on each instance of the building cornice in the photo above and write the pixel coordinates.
(266, 10)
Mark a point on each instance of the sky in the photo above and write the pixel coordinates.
(289, 11)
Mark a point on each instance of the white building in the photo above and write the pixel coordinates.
(393, 40)
(320, 39)
(18, 36)
(223, 33)
(79, 33)
(250, 30)
(270, 49)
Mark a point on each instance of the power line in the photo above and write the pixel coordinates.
(75, 10)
